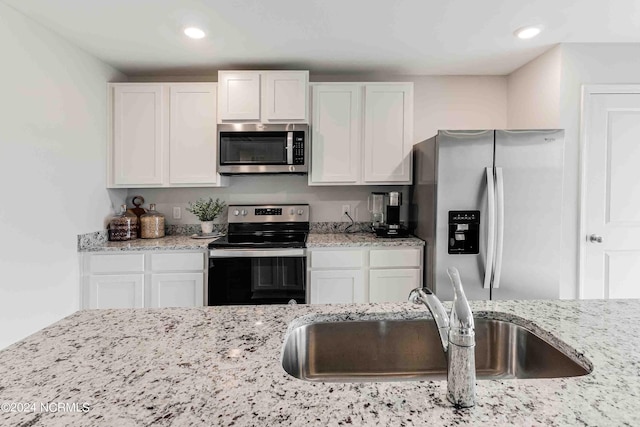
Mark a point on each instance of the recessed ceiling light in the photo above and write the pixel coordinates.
(528, 32)
(194, 33)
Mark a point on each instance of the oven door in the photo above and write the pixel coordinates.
(256, 276)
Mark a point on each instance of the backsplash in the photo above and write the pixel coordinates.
(325, 201)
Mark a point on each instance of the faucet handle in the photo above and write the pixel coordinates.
(461, 314)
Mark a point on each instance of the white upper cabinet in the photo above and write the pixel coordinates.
(163, 135)
(239, 95)
(388, 128)
(137, 134)
(361, 133)
(263, 96)
(335, 134)
(192, 134)
(286, 95)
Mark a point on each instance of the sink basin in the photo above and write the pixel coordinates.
(392, 350)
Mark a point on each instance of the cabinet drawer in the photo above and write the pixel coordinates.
(336, 259)
(120, 263)
(395, 258)
(177, 262)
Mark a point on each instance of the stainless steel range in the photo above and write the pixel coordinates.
(262, 259)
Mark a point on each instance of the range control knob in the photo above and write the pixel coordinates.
(300, 211)
(292, 211)
(236, 212)
(244, 212)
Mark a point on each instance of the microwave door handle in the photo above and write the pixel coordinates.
(289, 148)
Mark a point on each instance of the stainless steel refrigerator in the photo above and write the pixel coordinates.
(489, 202)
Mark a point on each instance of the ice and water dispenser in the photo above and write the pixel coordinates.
(464, 232)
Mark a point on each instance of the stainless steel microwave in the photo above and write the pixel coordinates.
(248, 148)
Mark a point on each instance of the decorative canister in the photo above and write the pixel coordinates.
(123, 226)
(137, 210)
(152, 224)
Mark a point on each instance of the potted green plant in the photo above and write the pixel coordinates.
(206, 211)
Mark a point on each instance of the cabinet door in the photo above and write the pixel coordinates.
(388, 124)
(116, 291)
(177, 290)
(192, 135)
(286, 95)
(392, 285)
(239, 95)
(136, 155)
(335, 152)
(337, 287)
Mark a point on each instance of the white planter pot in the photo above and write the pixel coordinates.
(207, 227)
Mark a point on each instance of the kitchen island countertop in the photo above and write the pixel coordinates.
(221, 366)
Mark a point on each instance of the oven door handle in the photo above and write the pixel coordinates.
(253, 253)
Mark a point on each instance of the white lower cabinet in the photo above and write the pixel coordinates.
(177, 290)
(142, 279)
(392, 285)
(116, 291)
(360, 275)
(337, 287)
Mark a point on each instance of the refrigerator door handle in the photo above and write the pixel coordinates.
(491, 229)
(497, 270)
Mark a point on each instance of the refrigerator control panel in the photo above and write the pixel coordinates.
(464, 232)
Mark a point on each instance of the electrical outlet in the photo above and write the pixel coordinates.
(177, 213)
(346, 209)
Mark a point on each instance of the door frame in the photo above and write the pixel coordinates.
(588, 90)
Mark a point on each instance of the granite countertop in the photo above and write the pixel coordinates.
(221, 366)
(315, 240)
(167, 243)
(321, 240)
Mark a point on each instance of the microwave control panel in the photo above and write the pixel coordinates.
(298, 148)
(464, 232)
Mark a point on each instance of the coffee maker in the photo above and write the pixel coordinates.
(385, 214)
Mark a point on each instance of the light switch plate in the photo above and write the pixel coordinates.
(177, 212)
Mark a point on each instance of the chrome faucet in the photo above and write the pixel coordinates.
(458, 340)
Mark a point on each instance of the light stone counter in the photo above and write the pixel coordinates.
(221, 366)
(167, 243)
(315, 240)
(321, 240)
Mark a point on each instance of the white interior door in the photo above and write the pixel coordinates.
(610, 242)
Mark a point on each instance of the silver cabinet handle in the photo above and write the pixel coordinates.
(594, 238)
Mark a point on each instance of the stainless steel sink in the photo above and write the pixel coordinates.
(392, 350)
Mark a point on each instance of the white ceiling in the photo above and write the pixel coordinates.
(330, 36)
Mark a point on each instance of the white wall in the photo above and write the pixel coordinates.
(440, 102)
(584, 64)
(534, 93)
(52, 169)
